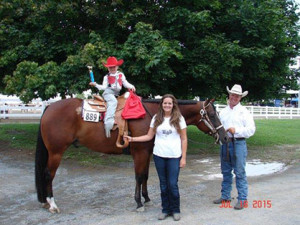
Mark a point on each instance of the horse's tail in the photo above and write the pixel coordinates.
(41, 175)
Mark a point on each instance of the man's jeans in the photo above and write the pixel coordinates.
(237, 163)
(168, 172)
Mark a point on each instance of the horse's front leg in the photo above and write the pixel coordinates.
(145, 191)
(141, 156)
(142, 181)
(142, 173)
(137, 195)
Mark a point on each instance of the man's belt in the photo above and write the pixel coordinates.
(237, 139)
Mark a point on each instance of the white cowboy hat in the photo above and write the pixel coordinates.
(237, 89)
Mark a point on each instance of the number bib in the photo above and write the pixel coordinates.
(91, 116)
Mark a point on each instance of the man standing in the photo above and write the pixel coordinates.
(239, 124)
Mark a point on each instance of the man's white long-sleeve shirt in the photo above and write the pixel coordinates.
(240, 118)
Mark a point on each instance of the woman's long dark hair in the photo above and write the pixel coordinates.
(175, 114)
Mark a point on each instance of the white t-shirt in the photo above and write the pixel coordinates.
(167, 140)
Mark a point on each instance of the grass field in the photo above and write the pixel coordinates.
(269, 133)
(273, 139)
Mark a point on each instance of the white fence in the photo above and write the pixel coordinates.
(267, 112)
(15, 109)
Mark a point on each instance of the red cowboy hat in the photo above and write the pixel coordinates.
(112, 61)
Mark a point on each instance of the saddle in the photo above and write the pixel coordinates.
(98, 104)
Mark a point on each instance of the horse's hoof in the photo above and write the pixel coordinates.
(54, 210)
(53, 207)
(149, 203)
(46, 205)
(140, 209)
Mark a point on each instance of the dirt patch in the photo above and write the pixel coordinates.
(105, 195)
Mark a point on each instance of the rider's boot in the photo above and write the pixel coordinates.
(107, 128)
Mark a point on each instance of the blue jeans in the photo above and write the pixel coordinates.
(168, 172)
(237, 163)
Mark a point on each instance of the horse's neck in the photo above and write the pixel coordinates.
(190, 112)
(151, 108)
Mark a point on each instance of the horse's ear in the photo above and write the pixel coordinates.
(209, 100)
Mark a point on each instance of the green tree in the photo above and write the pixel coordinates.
(187, 47)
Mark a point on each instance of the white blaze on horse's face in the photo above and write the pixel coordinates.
(167, 105)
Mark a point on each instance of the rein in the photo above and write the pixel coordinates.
(227, 149)
(146, 109)
(205, 118)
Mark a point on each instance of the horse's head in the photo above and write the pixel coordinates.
(210, 122)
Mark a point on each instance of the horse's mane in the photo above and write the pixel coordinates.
(180, 102)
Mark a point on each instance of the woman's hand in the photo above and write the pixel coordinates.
(129, 138)
(147, 137)
(92, 84)
(182, 162)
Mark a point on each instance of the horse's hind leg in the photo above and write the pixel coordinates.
(45, 168)
(52, 165)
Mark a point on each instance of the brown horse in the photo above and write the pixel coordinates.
(62, 124)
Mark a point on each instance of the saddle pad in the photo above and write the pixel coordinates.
(89, 114)
(87, 107)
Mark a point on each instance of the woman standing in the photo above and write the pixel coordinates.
(169, 153)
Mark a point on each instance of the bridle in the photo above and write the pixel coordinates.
(205, 118)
